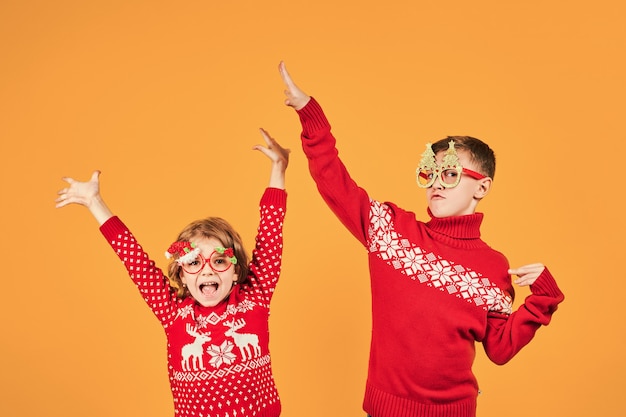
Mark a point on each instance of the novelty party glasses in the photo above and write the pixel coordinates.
(447, 177)
(218, 262)
(191, 260)
(449, 172)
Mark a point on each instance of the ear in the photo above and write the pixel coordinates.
(235, 278)
(483, 188)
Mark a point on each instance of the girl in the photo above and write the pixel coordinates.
(214, 305)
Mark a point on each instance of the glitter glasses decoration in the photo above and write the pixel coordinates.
(449, 172)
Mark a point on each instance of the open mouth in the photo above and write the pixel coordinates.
(209, 288)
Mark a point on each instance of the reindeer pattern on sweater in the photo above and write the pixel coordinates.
(219, 362)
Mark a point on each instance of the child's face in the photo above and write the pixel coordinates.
(459, 200)
(207, 286)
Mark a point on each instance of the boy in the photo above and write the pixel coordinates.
(437, 288)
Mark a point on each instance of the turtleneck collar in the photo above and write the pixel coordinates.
(457, 227)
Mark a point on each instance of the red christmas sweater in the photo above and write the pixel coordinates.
(437, 288)
(218, 357)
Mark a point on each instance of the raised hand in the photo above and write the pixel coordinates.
(85, 193)
(279, 157)
(527, 274)
(296, 98)
(79, 192)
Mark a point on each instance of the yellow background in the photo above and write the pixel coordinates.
(164, 96)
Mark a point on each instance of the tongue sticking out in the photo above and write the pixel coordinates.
(208, 289)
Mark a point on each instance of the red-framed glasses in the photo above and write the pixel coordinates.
(448, 171)
(218, 262)
(448, 178)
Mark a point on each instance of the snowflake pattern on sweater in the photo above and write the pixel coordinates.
(218, 357)
(430, 269)
(436, 289)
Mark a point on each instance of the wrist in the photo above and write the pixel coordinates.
(99, 210)
(302, 102)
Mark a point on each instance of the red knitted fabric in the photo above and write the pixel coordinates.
(218, 357)
(437, 288)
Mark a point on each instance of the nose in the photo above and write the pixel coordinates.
(437, 183)
(206, 269)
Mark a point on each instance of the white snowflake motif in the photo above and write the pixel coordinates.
(498, 301)
(440, 274)
(413, 260)
(202, 322)
(246, 305)
(506, 303)
(184, 312)
(221, 354)
(371, 238)
(390, 245)
(491, 298)
(379, 217)
(428, 268)
(230, 310)
(469, 284)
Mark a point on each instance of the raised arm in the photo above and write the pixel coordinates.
(279, 157)
(87, 194)
(150, 280)
(265, 265)
(350, 203)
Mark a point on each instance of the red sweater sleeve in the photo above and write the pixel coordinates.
(266, 262)
(507, 334)
(346, 199)
(149, 279)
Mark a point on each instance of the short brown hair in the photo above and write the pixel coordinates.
(217, 228)
(480, 153)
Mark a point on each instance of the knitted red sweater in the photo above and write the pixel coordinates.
(437, 288)
(218, 357)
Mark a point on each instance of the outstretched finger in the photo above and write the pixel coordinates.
(63, 199)
(526, 269)
(270, 153)
(282, 68)
(273, 150)
(266, 136)
(69, 180)
(95, 176)
(527, 279)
